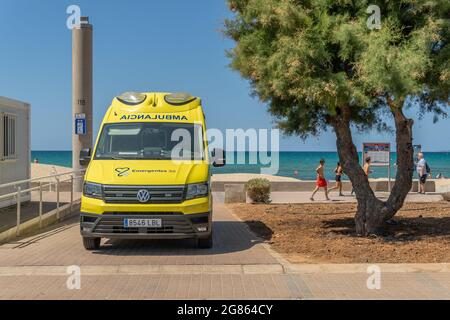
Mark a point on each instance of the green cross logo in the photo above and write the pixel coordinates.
(123, 172)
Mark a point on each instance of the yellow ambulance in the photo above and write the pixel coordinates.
(148, 176)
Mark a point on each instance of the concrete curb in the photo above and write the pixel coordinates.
(255, 269)
(48, 219)
(362, 268)
(309, 185)
(105, 270)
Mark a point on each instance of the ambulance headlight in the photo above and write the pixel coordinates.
(132, 98)
(197, 190)
(179, 98)
(93, 190)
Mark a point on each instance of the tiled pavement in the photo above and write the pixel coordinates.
(238, 267)
(228, 286)
(233, 244)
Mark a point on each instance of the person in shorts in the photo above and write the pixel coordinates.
(321, 182)
(422, 171)
(366, 168)
(339, 171)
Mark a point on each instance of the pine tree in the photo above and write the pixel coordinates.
(320, 64)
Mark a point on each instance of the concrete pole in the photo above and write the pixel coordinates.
(81, 93)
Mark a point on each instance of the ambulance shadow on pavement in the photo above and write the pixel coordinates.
(229, 237)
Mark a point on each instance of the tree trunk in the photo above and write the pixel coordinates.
(368, 217)
(372, 212)
(405, 160)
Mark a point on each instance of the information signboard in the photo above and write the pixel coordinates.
(380, 155)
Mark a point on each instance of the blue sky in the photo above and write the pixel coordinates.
(171, 45)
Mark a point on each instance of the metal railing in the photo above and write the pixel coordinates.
(18, 193)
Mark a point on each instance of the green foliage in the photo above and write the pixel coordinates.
(308, 59)
(258, 190)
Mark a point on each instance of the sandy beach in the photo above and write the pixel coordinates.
(39, 170)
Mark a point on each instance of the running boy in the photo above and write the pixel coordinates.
(321, 181)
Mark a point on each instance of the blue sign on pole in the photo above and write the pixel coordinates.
(80, 124)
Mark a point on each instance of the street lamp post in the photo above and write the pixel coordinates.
(81, 93)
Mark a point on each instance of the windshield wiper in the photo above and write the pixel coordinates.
(136, 158)
(110, 158)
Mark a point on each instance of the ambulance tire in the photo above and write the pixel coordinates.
(205, 243)
(91, 243)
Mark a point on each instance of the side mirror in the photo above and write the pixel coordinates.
(85, 157)
(218, 157)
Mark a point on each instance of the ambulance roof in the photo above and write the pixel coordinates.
(155, 106)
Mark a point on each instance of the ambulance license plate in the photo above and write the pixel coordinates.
(142, 223)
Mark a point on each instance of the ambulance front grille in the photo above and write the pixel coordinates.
(114, 224)
(158, 194)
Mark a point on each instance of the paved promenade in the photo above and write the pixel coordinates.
(239, 266)
(304, 197)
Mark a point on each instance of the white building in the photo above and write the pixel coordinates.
(15, 162)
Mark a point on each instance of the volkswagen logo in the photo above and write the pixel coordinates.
(143, 196)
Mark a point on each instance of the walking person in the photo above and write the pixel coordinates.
(366, 169)
(339, 171)
(321, 181)
(423, 170)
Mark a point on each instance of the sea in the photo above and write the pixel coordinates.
(300, 165)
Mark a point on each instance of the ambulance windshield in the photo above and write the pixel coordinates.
(151, 141)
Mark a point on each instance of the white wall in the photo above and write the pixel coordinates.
(19, 168)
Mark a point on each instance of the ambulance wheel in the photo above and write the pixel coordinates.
(205, 243)
(91, 243)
